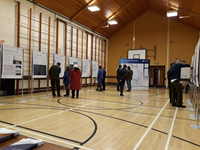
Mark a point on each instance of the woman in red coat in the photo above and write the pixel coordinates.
(75, 81)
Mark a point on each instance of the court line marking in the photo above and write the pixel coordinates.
(142, 104)
(144, 135)
(45, 137)
(53, 114)
(170, 133)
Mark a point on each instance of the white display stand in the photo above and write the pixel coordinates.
(94, 69)
(185, 73)
(85, 68)
(39, 64)
(72, 61)
(61, 59)
(12, 62)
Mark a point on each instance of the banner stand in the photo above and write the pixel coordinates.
(31, 89)
(22, 100)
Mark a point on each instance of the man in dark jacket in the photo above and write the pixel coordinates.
(129, 76)
(118, 78)
(104, 77)
(174, 73)
(54, 72)
(122, 75)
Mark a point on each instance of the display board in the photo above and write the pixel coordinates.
(140, 68)
(137, 54)
(185, 73)
(39, 64)
(61, 59)
(85, 68)
(72, 61)
(94, 69)
(12, 62)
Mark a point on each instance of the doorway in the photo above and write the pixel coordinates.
(157, 76)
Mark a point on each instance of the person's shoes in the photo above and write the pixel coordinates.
(181, 106)
(72, 97)
(103, 89)
(174, 104)
(76, 96)
(121, 94)
(54, 95)
(59, 96)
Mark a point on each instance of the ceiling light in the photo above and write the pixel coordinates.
(105, 26)
(112, 22)
(181, 17)
(172, 13)
(93, 7)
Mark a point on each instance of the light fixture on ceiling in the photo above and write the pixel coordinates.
(172, 13)
(112, 22)
(93, 7)
(181, 17)
(105, 26)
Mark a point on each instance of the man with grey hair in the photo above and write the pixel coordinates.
(174, 74)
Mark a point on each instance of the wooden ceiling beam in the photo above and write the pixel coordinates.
(79, 12)
(113, 14)
(170, 5)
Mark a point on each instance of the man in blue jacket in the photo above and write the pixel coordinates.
(174, 73)
(99, 78)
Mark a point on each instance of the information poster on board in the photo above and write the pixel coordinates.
(61, 59)
(85, 68)
(39, 64)
(140, 68)
(95, 68)
(12, 62)
(72, 61)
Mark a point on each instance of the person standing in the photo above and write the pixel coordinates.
(122, 75)
(67, 80)
(118, 78)
(129, 76)
(75, 84)
(54, 72)
(176, 86)
(99, 78)
(104, 77)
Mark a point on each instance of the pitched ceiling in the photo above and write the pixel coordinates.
(124, 11)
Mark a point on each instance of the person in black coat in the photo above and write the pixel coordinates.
(104, 77)
(54, 72)
(118, 78)
(122, 75)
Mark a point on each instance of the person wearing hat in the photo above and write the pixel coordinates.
(75, 81)
(54, 72)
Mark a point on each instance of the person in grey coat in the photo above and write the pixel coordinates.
(129, 75)
(54, 72)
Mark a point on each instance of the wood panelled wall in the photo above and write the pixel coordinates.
(148, 30)
(40, 30)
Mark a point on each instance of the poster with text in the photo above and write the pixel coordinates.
(61, 59)
(85, 68)
(12, 62)
(140, 68)
(72, 61)
(95, 68)
(39, 64)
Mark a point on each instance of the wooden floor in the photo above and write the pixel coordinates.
(103, 120)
